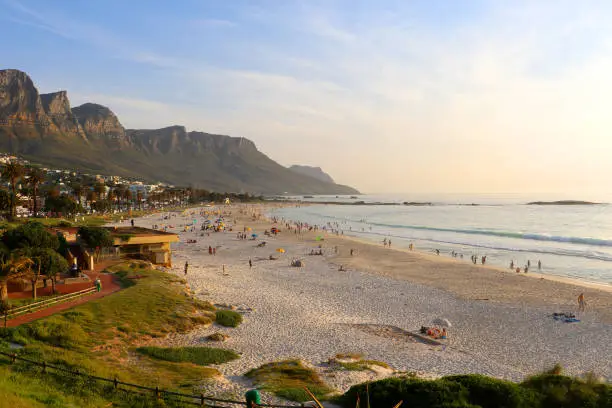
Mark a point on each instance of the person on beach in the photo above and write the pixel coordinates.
(484, 259)
(438, 252)
(352, 251)
(209, 250)
(385, 242)
(581, 303)
(186, 266)
(132, 222)
(410, 246)
(389, 243)
(528, 263)
(539, 265)
(250, 263)
(215, 251)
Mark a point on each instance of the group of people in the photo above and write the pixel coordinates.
(526, 267)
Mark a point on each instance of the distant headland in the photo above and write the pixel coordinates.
(563, 202)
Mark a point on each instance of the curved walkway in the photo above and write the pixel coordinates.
(109, 285)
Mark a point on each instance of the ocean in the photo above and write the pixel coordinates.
(570, 240)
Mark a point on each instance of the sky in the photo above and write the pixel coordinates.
(388, 96)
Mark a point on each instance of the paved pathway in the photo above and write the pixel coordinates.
(109, 285)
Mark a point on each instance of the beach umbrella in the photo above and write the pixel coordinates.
(249, 229)
(254, 235)
(442, 322)
(281, 250)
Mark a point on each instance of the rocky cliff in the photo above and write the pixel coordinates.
(101, 125)
(315, 172)
(43, 128)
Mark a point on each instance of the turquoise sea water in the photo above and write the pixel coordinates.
(571, 241)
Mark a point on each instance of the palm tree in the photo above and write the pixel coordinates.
(35, 179)
(11, 268)
(139, 197)
(77, 190)
(13, 172)
(99, 189)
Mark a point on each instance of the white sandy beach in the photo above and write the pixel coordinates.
(315, 312)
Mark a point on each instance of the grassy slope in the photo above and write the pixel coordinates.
(98, 337)
(196, 355)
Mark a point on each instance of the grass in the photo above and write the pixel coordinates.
(197, 355)
(287, 379)
(98, 337)
(362, 365)
(29, 301)
(228, 318)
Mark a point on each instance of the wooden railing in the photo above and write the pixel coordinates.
(32, 307)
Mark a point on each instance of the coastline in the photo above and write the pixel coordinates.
(502, 324)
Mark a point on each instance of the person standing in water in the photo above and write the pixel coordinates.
(539, 265)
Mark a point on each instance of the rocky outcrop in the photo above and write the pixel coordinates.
(315, 172)
(43, 128)
(19, 98)
(60, 116)
(100, 124)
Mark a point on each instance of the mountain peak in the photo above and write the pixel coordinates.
(101, 125)
(315, 172)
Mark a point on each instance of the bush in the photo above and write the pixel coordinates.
(288, 378)
(228, 318)
(195, 355)
(542, 391)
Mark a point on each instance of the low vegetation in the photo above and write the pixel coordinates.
(99, 337)
(288, 378)
(228, 318)
(196, 355)
(362, 365)
(476, 391)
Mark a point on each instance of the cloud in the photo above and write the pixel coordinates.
(507, 96)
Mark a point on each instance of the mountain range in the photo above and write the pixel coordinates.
(44, 128)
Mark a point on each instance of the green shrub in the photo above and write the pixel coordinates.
(542, 391)
(228, 318)
(195, 355)
(567, 392)
(288, 378)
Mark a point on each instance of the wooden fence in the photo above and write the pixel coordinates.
(18, 311)
(157, 393)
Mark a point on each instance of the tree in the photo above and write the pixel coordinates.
(46, 263)
(99, 189)
(96, 238)
(13, 172)
(77, 190)
(11, 267)
(139, 198)
(30, 235)
(35, 179)
(5, 200)
(62, 204)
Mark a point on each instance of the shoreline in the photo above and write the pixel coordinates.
(534, 275)
(502, 324)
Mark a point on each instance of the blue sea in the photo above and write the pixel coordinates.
(570, 240)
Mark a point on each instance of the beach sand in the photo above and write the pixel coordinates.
(502, 324)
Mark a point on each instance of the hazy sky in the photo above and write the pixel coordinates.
(385, 95)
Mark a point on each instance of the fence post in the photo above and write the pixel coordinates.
(115, 383)
(202, 399)
(44, 364)
(157, 392)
